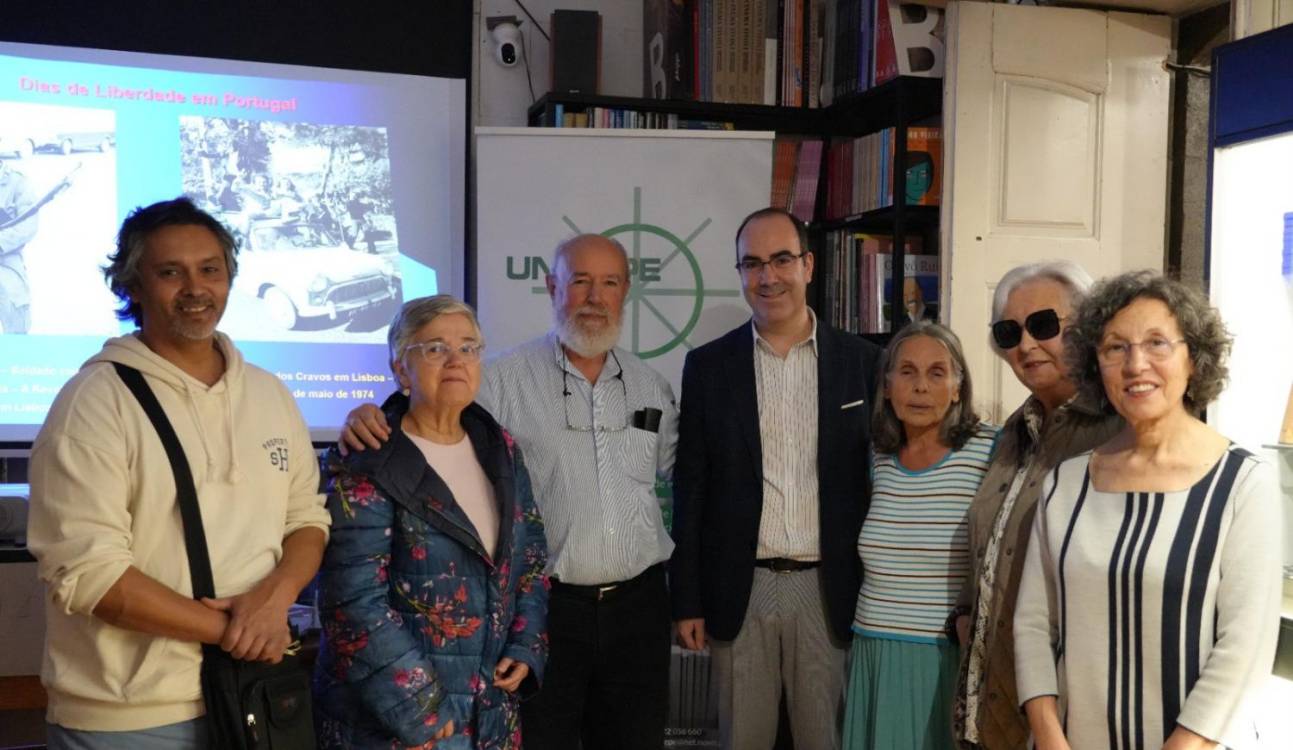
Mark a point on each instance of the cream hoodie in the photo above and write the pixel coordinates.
(103, 499)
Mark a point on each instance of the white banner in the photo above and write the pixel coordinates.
(674, 198)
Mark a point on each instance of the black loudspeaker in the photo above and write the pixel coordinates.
(576, 52)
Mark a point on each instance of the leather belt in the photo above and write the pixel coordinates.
(786, 565)
(601, 591)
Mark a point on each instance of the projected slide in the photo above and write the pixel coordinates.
(343, 189)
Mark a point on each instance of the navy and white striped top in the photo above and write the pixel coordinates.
(1144, 610)
(914, 544)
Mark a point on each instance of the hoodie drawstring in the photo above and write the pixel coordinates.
(202, 433)
(235, 475)
(232, 475)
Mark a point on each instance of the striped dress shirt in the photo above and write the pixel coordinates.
(787, 394)
(595, 488)
(914, 543)
(1145, 610)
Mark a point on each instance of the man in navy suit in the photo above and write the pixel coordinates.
(770, 490)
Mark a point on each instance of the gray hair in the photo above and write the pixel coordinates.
(960, 422)
(122, 271)
(1201, 326)
(565, 246)
(415, 314)
(1066, 272)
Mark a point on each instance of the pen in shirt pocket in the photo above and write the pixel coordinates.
(852, 404)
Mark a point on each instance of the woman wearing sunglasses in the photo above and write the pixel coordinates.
(1030, 310)
(1149, 605)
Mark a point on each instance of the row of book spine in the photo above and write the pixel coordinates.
(796, 170)
(561, 116)
(860, 171)
(860, 289)
(785, 52)
(735, 51)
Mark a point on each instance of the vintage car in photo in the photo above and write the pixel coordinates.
(67, 142)
(301, 271)
(19, 144)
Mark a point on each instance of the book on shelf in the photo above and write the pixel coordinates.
(669, 60)
(796, 170)
(924, 166)
(919, 289)
(785, 153)
(803, 204)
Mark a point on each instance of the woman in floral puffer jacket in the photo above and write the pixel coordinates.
(434, 606)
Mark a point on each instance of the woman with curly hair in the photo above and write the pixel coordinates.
(433, 598)
(1149, 605)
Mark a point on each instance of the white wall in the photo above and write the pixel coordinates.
(501, 95)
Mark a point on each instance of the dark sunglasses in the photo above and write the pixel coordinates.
(1041, 325)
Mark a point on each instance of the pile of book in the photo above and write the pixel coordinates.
(860, 171)
(796, 168)
(860, 290)
(796, 53)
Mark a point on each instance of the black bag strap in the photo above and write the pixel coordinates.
(195, 539)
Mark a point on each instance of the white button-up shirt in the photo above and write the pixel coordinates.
(787, 394)
(595, 488)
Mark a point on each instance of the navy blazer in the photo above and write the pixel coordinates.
(718, 477)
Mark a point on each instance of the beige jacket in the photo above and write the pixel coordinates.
(1072, 429)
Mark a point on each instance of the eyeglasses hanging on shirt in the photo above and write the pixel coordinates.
(566, 393)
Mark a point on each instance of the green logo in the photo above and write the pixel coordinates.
(663, 266)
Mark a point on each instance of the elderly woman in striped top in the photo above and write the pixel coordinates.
(931, 454)
(1149, 605)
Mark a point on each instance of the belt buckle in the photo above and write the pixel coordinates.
(602, 591)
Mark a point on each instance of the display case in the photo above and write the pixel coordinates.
(1249, 267)
(1250, 244)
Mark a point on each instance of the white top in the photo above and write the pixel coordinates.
(787, 395)
(459, 467)
(595, 488)
(1144, 610)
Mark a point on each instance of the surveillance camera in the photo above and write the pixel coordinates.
(507, 44)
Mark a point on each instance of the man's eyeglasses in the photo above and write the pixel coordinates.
(565, 399)
(779, 262)
(1041, 325)
(1156, 349)
(438, 352)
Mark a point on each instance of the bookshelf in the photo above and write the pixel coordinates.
(898, 104)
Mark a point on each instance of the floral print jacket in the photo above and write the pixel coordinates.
(415, 614)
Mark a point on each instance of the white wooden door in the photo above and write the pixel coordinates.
(1056, 125)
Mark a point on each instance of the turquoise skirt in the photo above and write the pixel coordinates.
(900, 695)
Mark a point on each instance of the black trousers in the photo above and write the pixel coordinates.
(607, 679)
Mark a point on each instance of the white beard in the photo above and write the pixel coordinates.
(585, 343)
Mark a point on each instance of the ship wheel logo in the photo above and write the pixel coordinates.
(664, 269)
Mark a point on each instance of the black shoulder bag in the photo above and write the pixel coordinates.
(250, 705)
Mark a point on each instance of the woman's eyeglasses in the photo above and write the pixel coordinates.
(1041, 325)
(438, 352)
(1156, 349)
